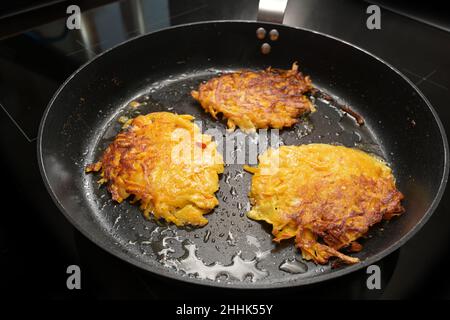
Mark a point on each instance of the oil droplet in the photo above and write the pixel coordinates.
(253, 241)
(206, 237)
(134, 104)
(221, 277)
(238, 175)
(117, 221)
(293, 266)
(262, 254)
(358, 136)
(230, 239)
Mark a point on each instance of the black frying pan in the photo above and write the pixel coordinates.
(161, 68)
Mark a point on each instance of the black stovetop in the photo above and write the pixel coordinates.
(35, 58)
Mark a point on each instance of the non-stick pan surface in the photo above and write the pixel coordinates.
(161, 69)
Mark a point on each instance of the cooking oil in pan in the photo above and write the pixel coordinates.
(293, 266)
(190, 264)
(175, 248)
(230, 239)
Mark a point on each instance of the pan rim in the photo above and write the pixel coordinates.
(237, 285)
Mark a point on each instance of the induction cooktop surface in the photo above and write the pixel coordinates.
(38, 52)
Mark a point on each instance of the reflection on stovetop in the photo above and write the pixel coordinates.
(33, 64)
(48, 54)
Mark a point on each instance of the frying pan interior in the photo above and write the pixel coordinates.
(161, 69)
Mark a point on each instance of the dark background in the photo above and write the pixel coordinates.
(37, 53)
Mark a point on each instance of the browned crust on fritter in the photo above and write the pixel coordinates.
(359, 119)
(141, 163)
(327, 216)
(272, 98)
(325, 196)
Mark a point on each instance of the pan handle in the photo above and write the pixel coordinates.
(271, 10)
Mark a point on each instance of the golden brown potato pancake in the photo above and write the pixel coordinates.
(326, 196)
(164, 161)
(271, 98)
